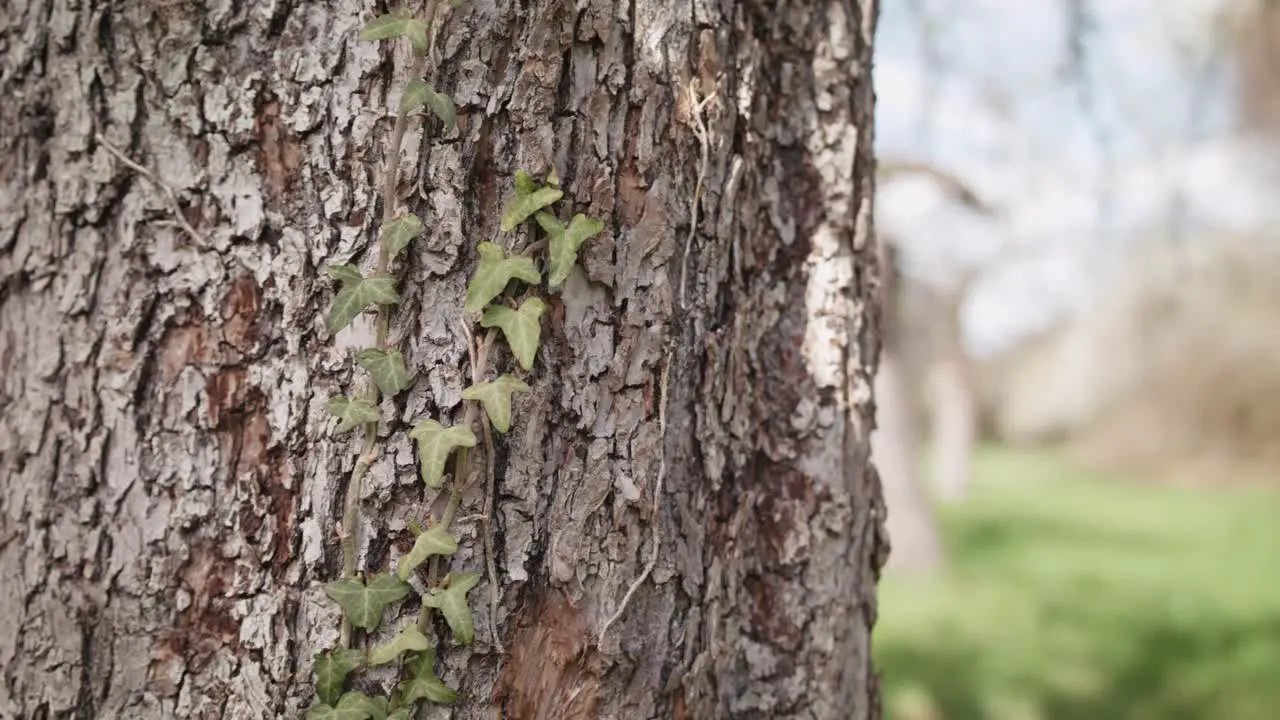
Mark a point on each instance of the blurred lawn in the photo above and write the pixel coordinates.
(1073, 595)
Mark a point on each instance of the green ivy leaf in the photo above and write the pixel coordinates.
(352, 413)
(493, 273)
(345, 274)
(398, 24)
(355, 705)
(442, 106)
(414, 96)
(397, 234)
(404, 713)
(550, 224)
(523, 205)
(325, 712)
(410, 638)
(435, 442)
(332, 668)
(419, 36)
(363, 603)
(495, 396)
(384, 27)
(381, 290)
(564, 244)
(386, 367)
(451, 601)
(419, 94)
(436, 541)
(525, 184)
(357, 293)
(423, 684)
(376, 706)
(521, 327)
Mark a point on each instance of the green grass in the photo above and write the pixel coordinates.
(1072, 595)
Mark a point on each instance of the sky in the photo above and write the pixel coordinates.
(1079, 157)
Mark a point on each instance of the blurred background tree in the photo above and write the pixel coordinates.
(1081, 198)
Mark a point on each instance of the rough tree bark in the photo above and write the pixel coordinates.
(171, 481)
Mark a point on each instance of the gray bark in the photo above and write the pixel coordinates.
(172, 484)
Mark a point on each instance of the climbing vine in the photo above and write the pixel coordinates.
(501, 298)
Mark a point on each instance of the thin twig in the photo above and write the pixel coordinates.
(178, 216)
(699, 127)
(478, 368)
(461, 463)
(350, 527)
(490, 567)
(462, 479)
(368, 453)
(657, 504)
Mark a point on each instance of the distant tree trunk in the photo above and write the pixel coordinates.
(913, 532)
(1255, 45)
(954, 406)
(171, 483)
(932, 315)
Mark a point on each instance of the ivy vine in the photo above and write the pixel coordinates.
(491, 303)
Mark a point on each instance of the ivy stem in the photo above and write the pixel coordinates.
(462, 458)
(369, 448)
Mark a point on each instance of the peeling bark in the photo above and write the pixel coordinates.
(171, 482)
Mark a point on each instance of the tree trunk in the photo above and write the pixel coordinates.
(172, 181)
(954, 409)
(912, 525)
(955, 428)
(895, 444)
